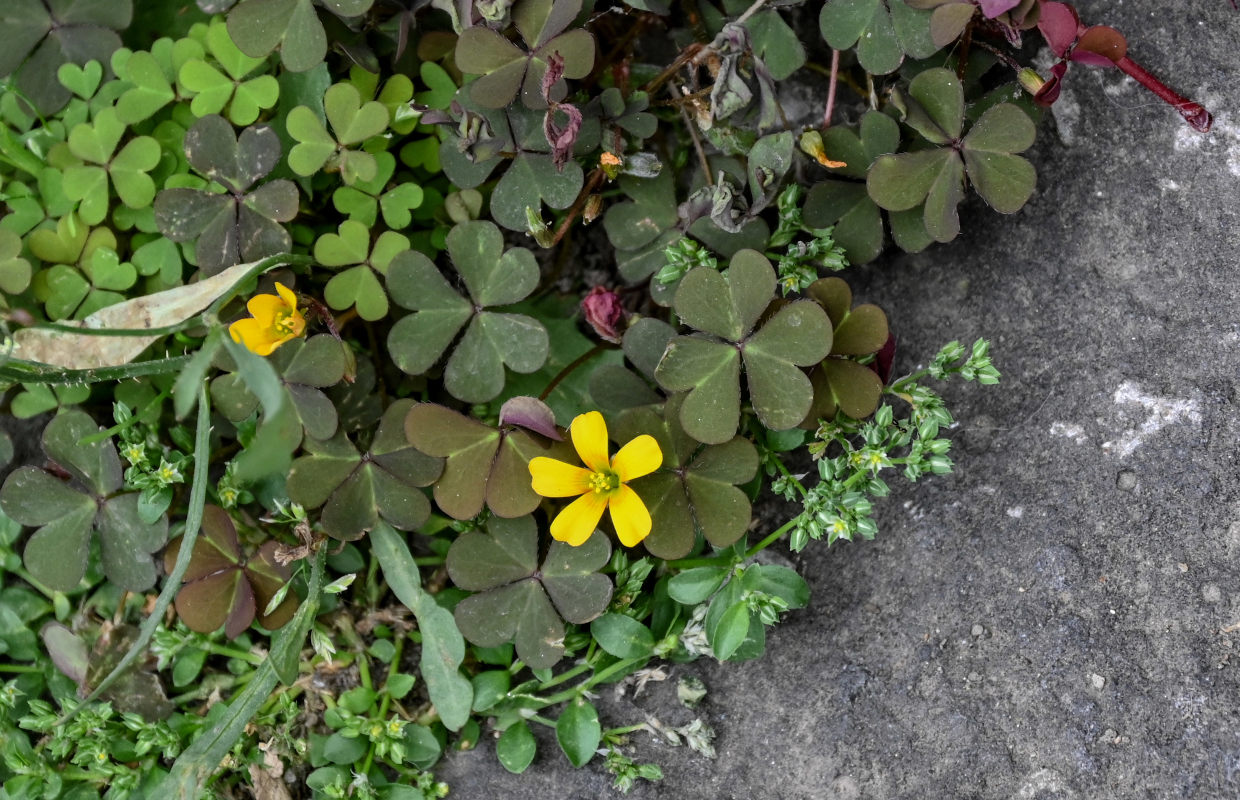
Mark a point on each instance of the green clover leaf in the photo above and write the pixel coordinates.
(305, 368)
(260, 26)
(935, 178)
(726, 306)
(85, 273)
(642, 227)
(237, 225)
(696, 488)
(96, 145)
(352, 123)
(883, 31)
(484, 464)
(844, 205)
(507, 69)
(356, 491)
(493, 277)
(840, 383)
(66, 513)
(222, 587)
(15, 271)
(363, 200)
(213, 91)
(358, 286)
(519, 601)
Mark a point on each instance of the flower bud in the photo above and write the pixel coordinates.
(603, 311)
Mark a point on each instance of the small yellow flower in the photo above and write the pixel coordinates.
(601, 483)
(275, 320)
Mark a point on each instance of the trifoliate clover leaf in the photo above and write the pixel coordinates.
(843, 205)
(306, 368)
(883, 31)
(363, 201)
(507, 70)
(485, 465)
(222, 587)
(841, 384)
(237, 225)
(358, 285)
(519, 601)
(96, 145)
(152, 80)
(213, 91)
(42, 35)
(352, 123)
(66, 512)
(493, 277)
(696, 489)
(725, 307)
(85, 273)
(260, 26)
(936, 177)
(395, 96)
(357, 490)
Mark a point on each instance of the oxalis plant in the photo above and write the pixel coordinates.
(400, 373)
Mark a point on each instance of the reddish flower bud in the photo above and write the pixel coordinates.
(603, 311)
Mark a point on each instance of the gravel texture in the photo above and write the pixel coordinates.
(1061, 617)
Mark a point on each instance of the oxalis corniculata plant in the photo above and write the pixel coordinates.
(408, 370)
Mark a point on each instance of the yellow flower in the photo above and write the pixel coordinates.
(601, 483)
(275, 320)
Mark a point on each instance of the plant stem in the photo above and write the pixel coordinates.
(1193, 113)
(834, 80)
(568, 369)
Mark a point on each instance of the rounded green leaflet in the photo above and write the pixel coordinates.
(475, 370)
(151, 89)
(15, 271)
(352, 121)
(727, 304)
(260, 26)
(939, 93)
(710, 373)
(900, 182)
(314, 144)
(578, 731)
(83, 81)
(416, 342)
(532, 180)
(1004, 180)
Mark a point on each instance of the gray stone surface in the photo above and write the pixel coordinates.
(1060, 618)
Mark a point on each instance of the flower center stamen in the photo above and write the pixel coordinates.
(283, 324)
(601, 482)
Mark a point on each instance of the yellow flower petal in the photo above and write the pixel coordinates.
(264, 308)
(579, 519)
(552, 478)
(251, 333)
(286, 294)
(639, 457)
(589, 433)
(629, 515)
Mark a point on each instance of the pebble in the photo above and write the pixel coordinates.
(1211, 593)
(1126, 481)
(1096, 680)
(978, 630)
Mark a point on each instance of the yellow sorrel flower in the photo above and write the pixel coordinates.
(601, 483)
(275, 320)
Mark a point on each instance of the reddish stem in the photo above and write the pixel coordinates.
(1193, 113)
(835, 77)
